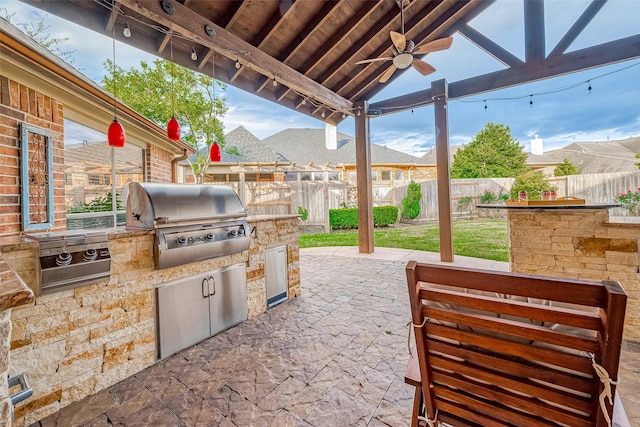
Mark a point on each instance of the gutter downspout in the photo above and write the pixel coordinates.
(174, 165)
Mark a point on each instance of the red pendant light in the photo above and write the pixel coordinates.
(214, 154)
(173, 129)
(115, 134)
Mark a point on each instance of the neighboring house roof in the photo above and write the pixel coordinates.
(250, 147)
(303, 146)
(600, 157)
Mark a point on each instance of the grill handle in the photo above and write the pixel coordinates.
(24, 393)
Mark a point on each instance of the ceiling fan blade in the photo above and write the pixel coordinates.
(422, 67)
(366, 61)
(433, 46)
(387, 74)
(399, 40)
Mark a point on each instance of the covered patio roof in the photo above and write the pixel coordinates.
(302, 55)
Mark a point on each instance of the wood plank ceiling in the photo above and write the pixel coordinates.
(302, 54)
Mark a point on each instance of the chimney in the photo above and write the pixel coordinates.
(536, 146)
(330, 136)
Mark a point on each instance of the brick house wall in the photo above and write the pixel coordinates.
(20, 104)
(158, 164)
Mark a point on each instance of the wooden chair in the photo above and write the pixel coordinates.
(508, 349)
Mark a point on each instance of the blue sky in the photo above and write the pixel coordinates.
(611, 110)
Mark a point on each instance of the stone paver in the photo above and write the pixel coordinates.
(334, 356)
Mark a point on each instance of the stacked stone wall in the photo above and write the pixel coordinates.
(77, 342)
(579, 244)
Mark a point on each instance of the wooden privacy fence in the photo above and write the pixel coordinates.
(317, 197)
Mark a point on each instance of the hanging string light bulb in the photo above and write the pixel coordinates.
(173, 127)
(115, 133)
(215, 155)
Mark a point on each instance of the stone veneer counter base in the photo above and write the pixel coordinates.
(77, 342)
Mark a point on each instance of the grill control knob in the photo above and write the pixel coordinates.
(209, 237)
(182, 241)
(63, 258)
(241, 232)
(233, 233)
(90, 255)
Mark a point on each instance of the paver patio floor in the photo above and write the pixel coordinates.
(334, 356)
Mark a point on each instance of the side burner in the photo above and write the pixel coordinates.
(72, 259)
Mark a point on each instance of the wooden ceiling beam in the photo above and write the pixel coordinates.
(191, 25)
(276, 19)
(595, 56)
(113, 16)
(534, 43)
(589, 13)
(489, 46)
(234, 14)
(365, 11)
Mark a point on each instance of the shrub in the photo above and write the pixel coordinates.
(343, 218)
(630, 202)
(411, 203)
(304, 214)
(465, 203)
(531, 182)
(383, 216)
(488, 197)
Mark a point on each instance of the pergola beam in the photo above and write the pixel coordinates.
(583, 59)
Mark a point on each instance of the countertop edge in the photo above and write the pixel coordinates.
(551, 207)
(13, 290)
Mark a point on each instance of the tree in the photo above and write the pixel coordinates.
(411, 203)
(494, 153)
(161, 90)
(566, 168)
(39, 32)
(534, 183)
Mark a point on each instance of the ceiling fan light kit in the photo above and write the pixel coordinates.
(404, 51)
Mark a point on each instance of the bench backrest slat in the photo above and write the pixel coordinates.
(513, 349)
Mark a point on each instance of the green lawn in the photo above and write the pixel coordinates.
(486, 238)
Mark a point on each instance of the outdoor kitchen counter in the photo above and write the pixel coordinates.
(577, 241)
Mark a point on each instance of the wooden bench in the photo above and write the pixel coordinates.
(508, 349)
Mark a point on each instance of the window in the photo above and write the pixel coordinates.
(398, 175)
(92, 162)
(334, 176)
(305, 176)
(386, 175)
(318, 176)
(374, 175)
(291, 176)
(353, 176)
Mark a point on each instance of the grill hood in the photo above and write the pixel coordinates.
(155, 205)
(191, 222)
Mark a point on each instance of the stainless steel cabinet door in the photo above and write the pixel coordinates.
(228, 297)
(275, 271)
(183, 314)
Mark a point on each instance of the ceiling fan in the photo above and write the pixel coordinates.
(404, 51)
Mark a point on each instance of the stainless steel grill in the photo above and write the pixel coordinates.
(72, 258)
(192, 222)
